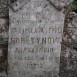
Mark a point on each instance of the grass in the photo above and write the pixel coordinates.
(74, 6)
(75, 47)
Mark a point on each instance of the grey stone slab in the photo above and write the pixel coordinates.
(35, 36)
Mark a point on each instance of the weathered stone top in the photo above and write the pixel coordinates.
(58, 4)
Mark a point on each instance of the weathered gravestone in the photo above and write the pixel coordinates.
(35, 35)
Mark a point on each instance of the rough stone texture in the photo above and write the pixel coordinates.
(3, 45)
(3, 8)
(30, 25)
(68, 62)
(3, 60)
(3, 36)
(12, 1)
(60, 4)
(4, 27)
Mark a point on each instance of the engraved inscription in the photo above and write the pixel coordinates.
(35, 36)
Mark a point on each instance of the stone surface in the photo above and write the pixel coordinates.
(60, 4)
(4, 25)
(3, 59)
(35, 36)
(3, 46)
(3, 36)
(3, 8)
(68, 58)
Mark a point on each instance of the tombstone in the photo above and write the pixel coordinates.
(35, 35)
